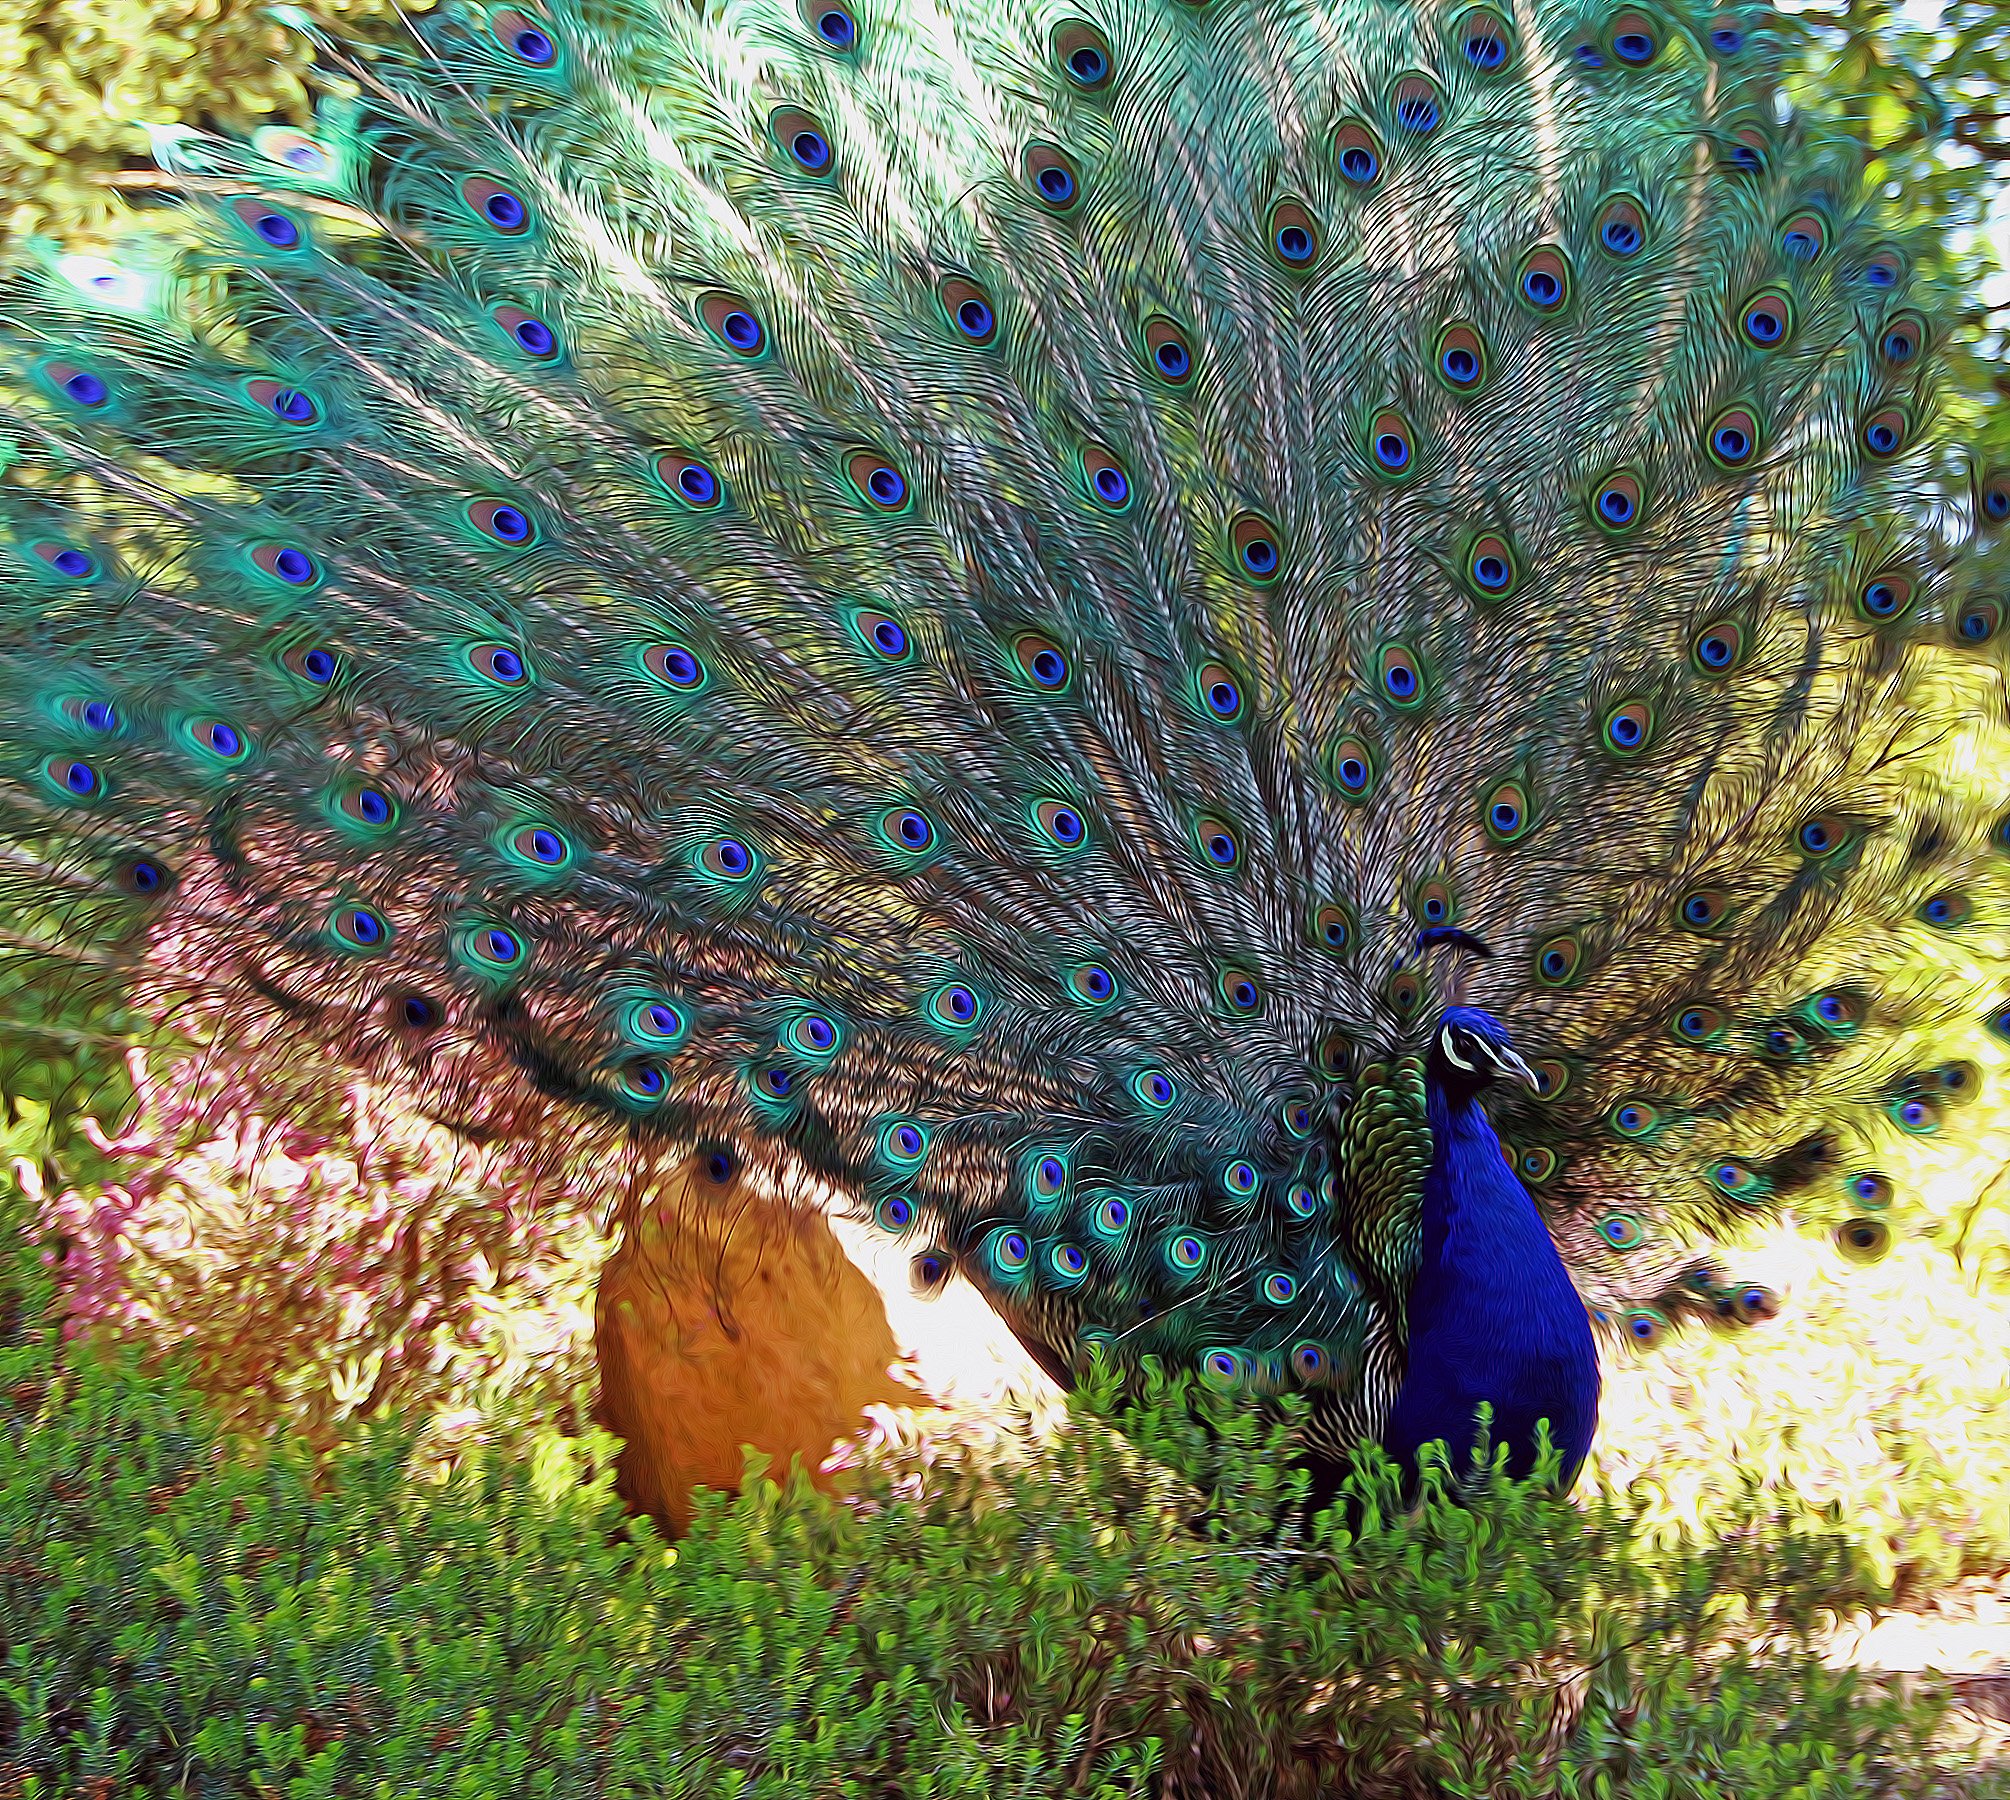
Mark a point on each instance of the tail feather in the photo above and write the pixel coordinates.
(943, 604)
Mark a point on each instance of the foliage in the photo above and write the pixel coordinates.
(185, 1618)
(78, 76)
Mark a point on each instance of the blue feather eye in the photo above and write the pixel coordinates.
(674, 666)
(1301, 1202)
(695, 483)
(493, 948)
(1220, 692)
(272, 226)
(1084, 55)
(956, 1006)
(907, 829)
(1628, 728)
(1733, 438)
(1617, 504)
(1294, 235)
(903, 1142)
(1390, 441)
(1461, 357)
(1418, 108)
(1804, 237)
(734, 323)
(286, 562)
(1486, 41)
(1633, 41)
(1703, 909)
(1870, 1190)
(1558, 961)
(1042, 662)
(1726, 39)
(100, 716)
(360, 928)
(1766, 320)
(1107, 480)
(66, 560)
(367, 806)
(654, 1022)
(1008, 1251)
(73, 778)
(1544, 280)
(1047, 1176)
(1060, 823)
(502, 521)
(882, 634)
(1239, 1178)
(223, 741)
(528, 332)
(969, 308)
(499, 664)
(1884, 435)
(833, 24)
(1491, 565)
(1113, 1217)
(1901, 341)
(144, 878)
(541, 845)
(1622, 229)
(1507, 814)
(1186, 1252)
(1357, 153)
(727, 858)
(1401, 677)
(1719, 646)
(1155, 1088)
(1311, 1362)
(1946, 911)
(1885, 596)
(1353, 768)
(1052, 177)
(643, 1080)
(804, 138)
(1255, 542)
(1330, 927)
(501, 208)
(877, 481)
(524, 38)
(1823, 835)
(289, 405)
(1171, 355)
(1240, 990)
(1093, 983)
(1279, 1288)
(80, 386)
(1218, 843)
(1698, 1024)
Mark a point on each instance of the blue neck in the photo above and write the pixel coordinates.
(1493, 1315)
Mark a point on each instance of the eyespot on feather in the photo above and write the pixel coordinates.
(286, 563)
(1353, 766)
(803, 139)
(1506, 812)
(1886, 432)
(1292, 235)
(877, 482)
(1106, 478)
(1863, 1240)
(832, 23)
(675, 667)
(1633, 40)
(1885, 596)
(1976, 621)
(270, 227)
(1220, 692)
(1491, 567)
(688, 479)
(1628, 729)
(1416, 106)
(1804, 237)
(360, 928)
(74, 779)
(1485, 40)
(1702, 909)
(969, 309)
(726, 859)
(1332, 929)
(734, 323)
(1902, 340)
(1357, 153)
(1401, 676)
(1616, 503)
(368, 804)
(504, 522)
(1042, 662)
(1168, 352)
(1558, 960)
(1433, 903)
(529, 333)
(500, 664)
(1622, 229)
(1767, 320)
(1257, 550)
(143, 877)
(1995, 497)
(1460, 360)
(1392, 447)
(1082, 54)
(1218, 844)
(1733, 438)
(283, 401)
(502, 209)
(1404, 993)
(1542, 282)
(1051, 175)
(527, 39)
(69, 561)
(220, 739)
(1240, 990)
(1719, 647)
(1061, 824)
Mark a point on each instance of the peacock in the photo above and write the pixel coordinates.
(1297, 682)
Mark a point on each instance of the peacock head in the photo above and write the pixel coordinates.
(1470, 1049)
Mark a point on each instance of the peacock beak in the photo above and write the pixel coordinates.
(1510, 1064)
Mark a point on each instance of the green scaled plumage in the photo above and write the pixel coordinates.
(938, 596)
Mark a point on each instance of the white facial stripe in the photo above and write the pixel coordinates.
(1451, 1055)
